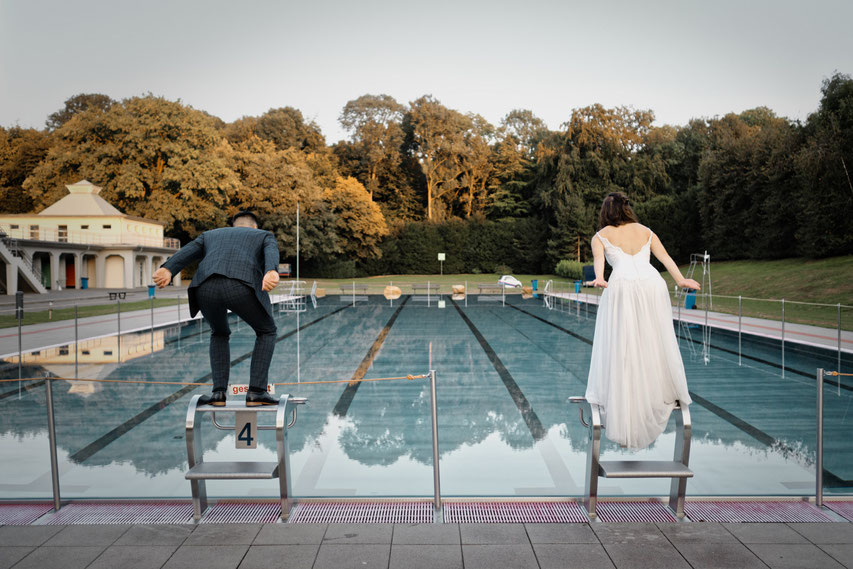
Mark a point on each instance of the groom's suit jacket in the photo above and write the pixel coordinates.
(241, 253)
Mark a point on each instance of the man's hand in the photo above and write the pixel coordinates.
(162, 277)
(270, 280)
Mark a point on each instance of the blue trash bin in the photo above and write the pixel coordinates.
(151, 291)
(690, 300)
(84, 283)
(534, 283)
(578, 286)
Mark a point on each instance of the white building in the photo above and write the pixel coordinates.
(81, 241)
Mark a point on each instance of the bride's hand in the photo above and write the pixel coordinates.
(599, 283)
(689, 283)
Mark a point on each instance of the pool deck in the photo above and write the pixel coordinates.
(407, 546)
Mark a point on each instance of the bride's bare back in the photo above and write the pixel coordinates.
(630, 237)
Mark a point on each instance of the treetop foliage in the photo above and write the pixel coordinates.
(747, 184)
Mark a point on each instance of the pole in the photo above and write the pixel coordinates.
(819, 458)
(783, 337)
(51, 432)
(298, 360)
(353, 294)
(152, 324)
(76, 346)
(838, 365)
(118, 336)
(466, 293)
(297, 241)
(429, 290)
(436, 478)
(20, 314)
(739, 323)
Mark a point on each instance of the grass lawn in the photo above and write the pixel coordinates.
(38, 317)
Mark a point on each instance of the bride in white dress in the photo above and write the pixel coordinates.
(635, 374)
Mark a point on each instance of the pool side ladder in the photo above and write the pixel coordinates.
(676, 469)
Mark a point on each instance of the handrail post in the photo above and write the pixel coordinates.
(783, 337)
(739, 325)
(76, 345)
(51, 433)
(819, 458)
(118, 336)
(436, 478)
(838, 365)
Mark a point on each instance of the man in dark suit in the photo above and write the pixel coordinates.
(239, 266)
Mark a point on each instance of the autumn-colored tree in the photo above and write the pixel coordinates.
(21, 150)
(360, 224)
(78, 104)
(154, 158)
(284, 127)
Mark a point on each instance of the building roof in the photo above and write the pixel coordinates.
(83, 199)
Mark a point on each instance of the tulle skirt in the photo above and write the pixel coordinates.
(636, 374)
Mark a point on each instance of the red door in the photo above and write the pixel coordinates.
(70, 275)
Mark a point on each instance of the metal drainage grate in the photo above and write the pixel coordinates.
(235, 512)
(754, 512)
(362, 513)
(123, 513)
(844, 509)
(514, 512)
(634, 512)
(22, 514)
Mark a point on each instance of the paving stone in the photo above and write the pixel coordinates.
(11, 555)
(156, 534)
(499, 534)
(572, 556)
(27, 535)
(640, 555)
(719, 556)
(207, 556)
(223, 534)
(842, 553)
(794, 556)
(825, 533)
(426, 557)
(517, 556)
(134, 557)
(290, 534)
(359, 533)
(696, 533)
(560, 533)
(628, 533)
(280, 557)
(765, 533)
(59, 558)
(83, 535)
(357, 556)
(426, 534)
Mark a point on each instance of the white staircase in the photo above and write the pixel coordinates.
(13, 255)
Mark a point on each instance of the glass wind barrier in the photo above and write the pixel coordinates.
(505, 364)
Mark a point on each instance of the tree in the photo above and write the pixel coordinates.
(285, 127)
(360, 224)
(435, 137)
(78, 104)
(374, 122)
(154, 158)
(21, 150)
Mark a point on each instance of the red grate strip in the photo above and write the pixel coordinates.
(844, 509)
(123, 513)
(233, 512)
(362, 513)
(22, 514)
(735, 512)
(634, 512)
(514, 512)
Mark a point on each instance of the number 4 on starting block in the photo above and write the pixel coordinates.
(246, 429)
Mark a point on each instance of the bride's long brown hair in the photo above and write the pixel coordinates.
(616, 210)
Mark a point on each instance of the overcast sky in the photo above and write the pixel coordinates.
(680, 58)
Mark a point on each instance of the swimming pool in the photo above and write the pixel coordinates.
(505, 429)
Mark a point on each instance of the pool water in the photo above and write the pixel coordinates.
(504, 373)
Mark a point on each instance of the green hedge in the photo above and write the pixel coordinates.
(572, 270)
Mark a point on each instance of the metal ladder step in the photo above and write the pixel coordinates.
(643, 469)
(233, 471)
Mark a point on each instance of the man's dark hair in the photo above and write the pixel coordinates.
(245, 213)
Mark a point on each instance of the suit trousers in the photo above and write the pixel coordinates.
(215, 296)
